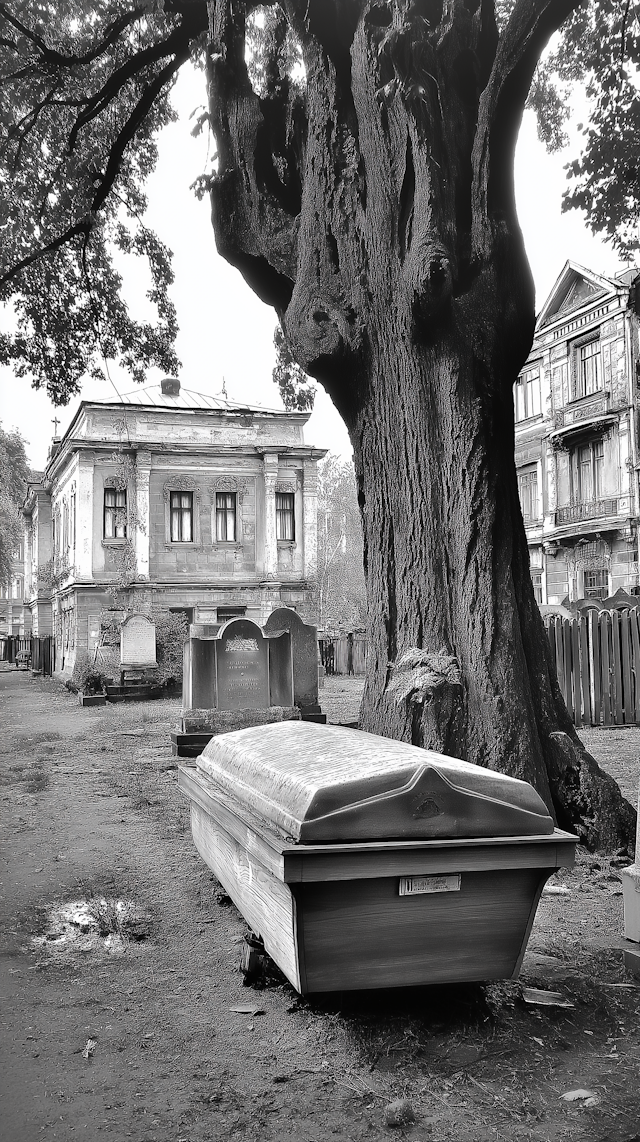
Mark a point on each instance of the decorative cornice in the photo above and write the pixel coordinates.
(181, 483)
(119, 483)
(231, 484)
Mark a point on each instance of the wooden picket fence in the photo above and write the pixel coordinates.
(597, 659)
(338, 656)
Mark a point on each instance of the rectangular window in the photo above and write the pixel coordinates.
(588, 463)
(527, 396)
(536, 579)
(585, 474)
(598, 469)
(596, 584)
(589, 372)
(225, 613)
(528, 489)
(115, 513)
(285, 515)
(181, 517)
(225, 517)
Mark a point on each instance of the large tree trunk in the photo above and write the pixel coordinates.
(380, 222)
(447, 571)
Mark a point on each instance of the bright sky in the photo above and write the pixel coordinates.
(226, 333)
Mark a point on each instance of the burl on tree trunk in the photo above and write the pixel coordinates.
(374, 208)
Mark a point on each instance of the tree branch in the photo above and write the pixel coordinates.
(116, 82)
(83, 227)
(254, 231)
(139, 113)
(528, 29)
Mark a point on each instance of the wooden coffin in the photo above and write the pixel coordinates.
(364, 862)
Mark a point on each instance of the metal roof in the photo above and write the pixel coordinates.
(186, 398)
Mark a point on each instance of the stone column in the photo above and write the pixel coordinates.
(270, 541)
(84, 519)
(310, 520)
(141, 532)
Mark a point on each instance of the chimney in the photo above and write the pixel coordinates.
(170, 386)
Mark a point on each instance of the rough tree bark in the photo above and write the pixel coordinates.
(377, 215)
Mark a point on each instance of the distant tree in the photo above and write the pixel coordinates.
(14, 473)
(296, 388)
(342, 602)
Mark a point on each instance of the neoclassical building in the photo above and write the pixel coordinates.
(189, 502)
(576, 438)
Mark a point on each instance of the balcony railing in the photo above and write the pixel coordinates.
(595, 509)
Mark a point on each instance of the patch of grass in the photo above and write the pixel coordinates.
(38, 778)
(114, 917)
(108, 915)
(27, 741)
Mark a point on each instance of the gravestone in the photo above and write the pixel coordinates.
(242, 661)
(233, 671)
(199, 667)
(304, 648)
(137, 643)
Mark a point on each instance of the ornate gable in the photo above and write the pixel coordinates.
(574, 289)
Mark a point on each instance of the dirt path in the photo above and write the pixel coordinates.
(90, 811)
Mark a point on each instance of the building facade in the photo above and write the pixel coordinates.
(12, 597)
(576, 438)
(176, 501)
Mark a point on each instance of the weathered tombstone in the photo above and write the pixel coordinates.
(242, 666)
(138, 643)
(234, 676)
(304, 649)
(199, 667)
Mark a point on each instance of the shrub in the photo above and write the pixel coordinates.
(172, 629)
(86, 677)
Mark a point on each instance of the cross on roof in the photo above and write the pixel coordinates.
(55, 422)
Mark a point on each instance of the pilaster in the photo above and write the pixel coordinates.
(270, 461)
(141, 532)
(84, 523)
(310, 519)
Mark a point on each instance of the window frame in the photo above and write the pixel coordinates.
(183, 511)
(529, 476)
(111, 510)
(224, 515)
(596, 590)
(285, 513)
(579, 389)
(527, 386)
(587, 474)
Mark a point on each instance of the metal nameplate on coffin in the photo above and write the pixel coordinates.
(418, 885)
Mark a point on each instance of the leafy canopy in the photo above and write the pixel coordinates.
(84, 92)
(14, 473)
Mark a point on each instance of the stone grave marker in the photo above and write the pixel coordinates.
(137, 643)
(304, 646)
(242, 655)
(199, 667)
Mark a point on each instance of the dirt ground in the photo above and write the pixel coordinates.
(120, 974)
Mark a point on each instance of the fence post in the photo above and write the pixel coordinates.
(625, 650)
(634, 620)
(585, 683)
(604, 622)
(617, 668)
(594, 665)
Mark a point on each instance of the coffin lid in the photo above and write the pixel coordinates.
(329, 784)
